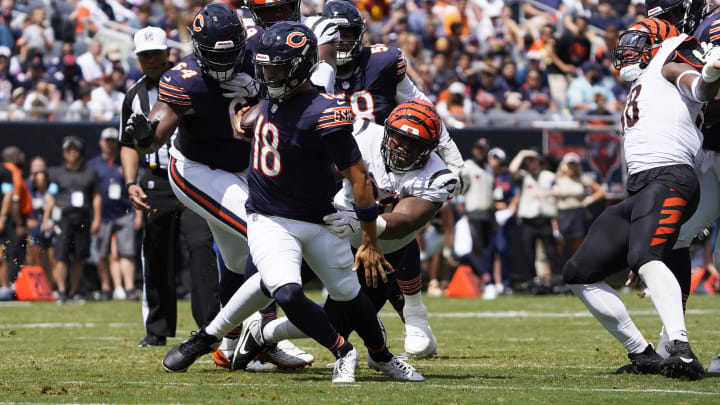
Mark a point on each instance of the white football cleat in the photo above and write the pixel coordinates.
(284, 354)
(489, 292)
(344, 370)
(419, 339)
(714, 365)
(396, 369)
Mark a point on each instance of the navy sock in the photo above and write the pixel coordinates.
(229, 283)
(363, 315)
(308, 316)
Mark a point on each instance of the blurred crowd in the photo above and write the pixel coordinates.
(480, 60)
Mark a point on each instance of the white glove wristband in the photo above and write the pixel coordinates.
(709, 73)
(380, 225)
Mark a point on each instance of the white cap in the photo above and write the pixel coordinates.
(571, 157)
(109, 133)
(457, 88)
(498, 153)
(150, 39)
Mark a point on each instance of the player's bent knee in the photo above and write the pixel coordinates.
(575, 274)
(289, 294)
(344, 290)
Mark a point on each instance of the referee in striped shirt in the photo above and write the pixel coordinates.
(165, 216)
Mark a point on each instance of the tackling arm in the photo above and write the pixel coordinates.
(154, 131)
(409, 215)
(698, 87)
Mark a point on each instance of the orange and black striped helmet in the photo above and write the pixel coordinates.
(641, 41)
(412, 132)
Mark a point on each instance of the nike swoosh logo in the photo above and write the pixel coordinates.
(167, 78)
(242, 343)
(686, 360)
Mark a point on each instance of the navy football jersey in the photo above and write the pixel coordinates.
(205, 133)
(371, 87)
(709, 31)
(291, 174)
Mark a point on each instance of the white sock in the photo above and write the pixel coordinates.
(607, 307)
(414, 306)
(661, 347)
(281, 329)
(666, 296)
(246, 300)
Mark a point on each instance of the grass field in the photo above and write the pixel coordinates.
(511, 350)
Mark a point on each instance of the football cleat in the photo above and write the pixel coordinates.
(714, 365)
(221, 359)
(183, 355)
(284, 354)
(434, 289)
(646, 362)
(152, 340)
(344, 369)
(682, 362)
(250, 342)
(396, 369)
(419, 339)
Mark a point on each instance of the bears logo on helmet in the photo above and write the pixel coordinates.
(351, 26)
(286, 57)
(218, 39)
(269, 12)
(641, 42)
(412, 132)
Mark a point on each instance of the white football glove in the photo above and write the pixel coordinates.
(241, 86)
(712, 54)
(343, 224)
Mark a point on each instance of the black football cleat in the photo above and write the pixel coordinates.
(152, 340)
(682, 362)
(250, 343)
(183, 355)
(646, 362)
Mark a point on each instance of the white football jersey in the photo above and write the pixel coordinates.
(325, 30)
(659, 122)
(434, 182)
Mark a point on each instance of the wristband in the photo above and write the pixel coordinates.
(447, 252)
(380, 225)
(710, 74)
(367, 213)
(129, 183)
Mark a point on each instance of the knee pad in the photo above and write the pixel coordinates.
(289, 294)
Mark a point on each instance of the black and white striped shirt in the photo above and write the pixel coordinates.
(140, 98)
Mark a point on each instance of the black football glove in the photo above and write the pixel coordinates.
(140, 129)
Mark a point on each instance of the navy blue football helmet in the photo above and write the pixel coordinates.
(683, 14)
(351, 26)
(218, 39)
(269, 12)
(286, 57)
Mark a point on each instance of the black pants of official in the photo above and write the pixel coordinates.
(540, 228)
(165, 221)
(642, 228)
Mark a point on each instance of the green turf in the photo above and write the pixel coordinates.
(87, 353)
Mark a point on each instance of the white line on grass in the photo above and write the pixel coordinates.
(441, 386)
(540, 314)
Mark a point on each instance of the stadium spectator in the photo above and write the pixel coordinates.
(43, 96)
(439, 73)
(39, 249)
(534, 92)
(73, 212)
(93, 64)
(118, 224)
(7, 81)
(20, 209)
(37, 36)
(7, 39)
(566, 55)
(17, 99)
(573, 192)
(66, 74)
(454, 106)
(488, 92)
(604, 15)
(79, 110)
(536, 208)
(35, 71)
(581, 92)
(6, 192)
(505, 197)
(105, 102)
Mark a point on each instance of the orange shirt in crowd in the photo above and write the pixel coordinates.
(20, 191)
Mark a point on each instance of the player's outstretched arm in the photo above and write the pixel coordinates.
(409, 215)
(696, 86)
(368, 253)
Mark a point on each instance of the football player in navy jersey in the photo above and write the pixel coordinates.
(301, 135)
(373, 80)
(268, 12)
(200, 96)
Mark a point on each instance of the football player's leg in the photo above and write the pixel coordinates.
(602, 253)
(277, 247)
(229, 283)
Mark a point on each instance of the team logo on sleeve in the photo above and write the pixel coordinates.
(296, 39)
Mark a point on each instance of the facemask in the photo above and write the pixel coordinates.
(631, 73)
